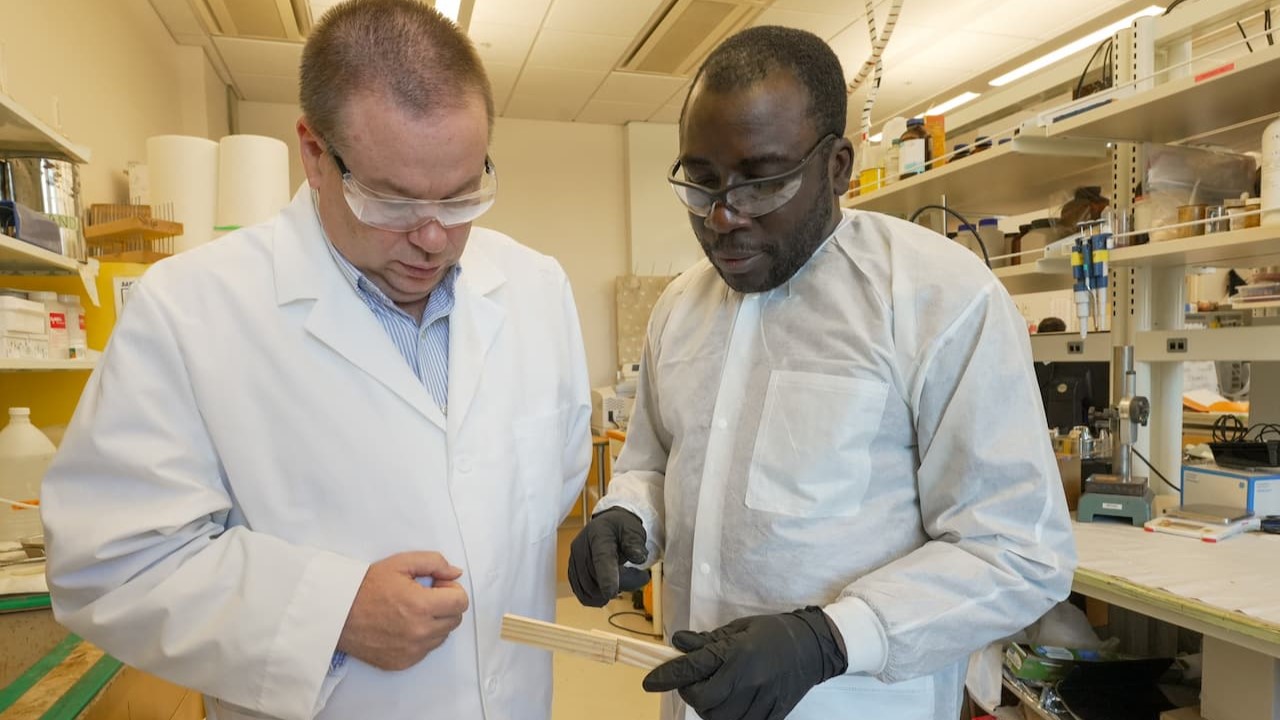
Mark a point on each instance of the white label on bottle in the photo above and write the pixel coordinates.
(911, 157)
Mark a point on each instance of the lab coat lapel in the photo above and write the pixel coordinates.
(338, 318)
(474, 325)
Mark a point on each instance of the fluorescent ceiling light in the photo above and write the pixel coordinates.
(449, 8)
(951, 104)
(877, 137)
(1068, 50)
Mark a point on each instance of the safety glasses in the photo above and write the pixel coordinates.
(401, 214)
(751, 198)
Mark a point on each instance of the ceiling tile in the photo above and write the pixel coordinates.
(576, 86)
(666, 114)
(528, 13)
(1037, 19)
(502, 78)
(267, 88)
(577, 51)
(615, 113)
(650, 90)
(620, 17)
(541, 107)
(260, 57)
(828, 7)
(505, 44)
(824, 26)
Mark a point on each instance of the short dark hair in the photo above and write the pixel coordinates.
(401, 47)
(751, 55)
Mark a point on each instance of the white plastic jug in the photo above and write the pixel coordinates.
(25, 454)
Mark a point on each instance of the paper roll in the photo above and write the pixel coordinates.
(183, 175)
(253, 179)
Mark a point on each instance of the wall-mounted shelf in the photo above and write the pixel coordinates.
(23, 365)
(1017, 177)
(21, 130)
(1036, 276)
(1069, 347)
(1236, 92)
(1258, 344)
(22, 258)
(1250, 247)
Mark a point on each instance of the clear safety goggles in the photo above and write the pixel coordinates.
(401, 214)
(751, 198)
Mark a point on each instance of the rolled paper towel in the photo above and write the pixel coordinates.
(183, 176)
(253, 180)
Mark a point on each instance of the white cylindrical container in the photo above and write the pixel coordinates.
(25, 454)
(993, 238)
(77, 340)
(182, 173)
(56, 323)
(253, 180)
(1271, 174)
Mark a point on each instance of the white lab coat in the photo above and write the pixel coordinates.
(869, 438)
(252, 440)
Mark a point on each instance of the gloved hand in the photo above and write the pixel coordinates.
(754, 668)
(612, 537)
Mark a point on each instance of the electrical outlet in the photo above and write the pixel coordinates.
(1177, 345)
(1075, 347)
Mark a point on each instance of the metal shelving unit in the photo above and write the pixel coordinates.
(1231, 94)
(24, 365)
(1070, 347)
(20, 129)
(1017, 177)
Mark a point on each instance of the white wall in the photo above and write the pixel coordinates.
(275, 120)
(661, 241)
(114, 75)
(562, 191)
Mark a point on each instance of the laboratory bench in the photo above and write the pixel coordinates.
(47, 673)
(1227, 591)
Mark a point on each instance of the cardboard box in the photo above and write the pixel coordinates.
(1257, 492)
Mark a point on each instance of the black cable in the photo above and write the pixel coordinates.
(1229, 429)
(1159, 474)
(1173, 5)
(1244, 35)
(1266, 25)
(985, 257)
(1085, 73)
(633, 631)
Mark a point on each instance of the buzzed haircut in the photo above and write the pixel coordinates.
(403, 48)
(750, 56)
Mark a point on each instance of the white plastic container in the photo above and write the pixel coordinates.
(77, 339)
(993, 238)
(25, 455)
(55, 323)
(23, 329)
(1271, 174)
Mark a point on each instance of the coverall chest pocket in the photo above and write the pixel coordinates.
(813, 449)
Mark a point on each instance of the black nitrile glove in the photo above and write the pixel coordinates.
(754, 668)
(611, 538)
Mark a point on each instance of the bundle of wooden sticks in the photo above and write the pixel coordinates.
(600, 646)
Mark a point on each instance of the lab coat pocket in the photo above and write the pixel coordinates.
(813, 449)
(539, 456)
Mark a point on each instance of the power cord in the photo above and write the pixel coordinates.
(1229, 429)
(1153, 469)
(633, 631)
(966, 224)
(1107, 45)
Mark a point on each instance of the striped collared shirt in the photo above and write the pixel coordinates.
(424, 345)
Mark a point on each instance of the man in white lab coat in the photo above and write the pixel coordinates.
(838, 447)
(322, 456)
